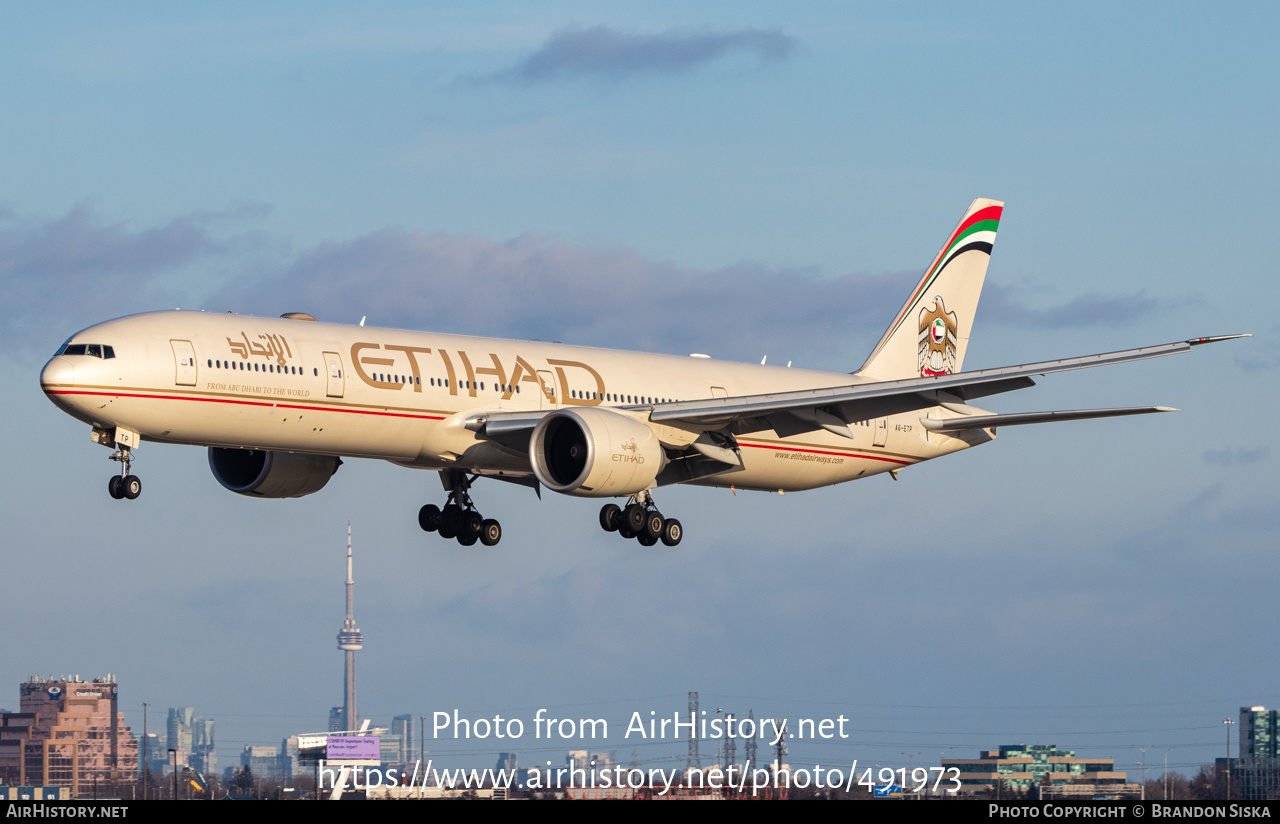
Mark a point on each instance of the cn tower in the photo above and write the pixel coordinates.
(350, 640)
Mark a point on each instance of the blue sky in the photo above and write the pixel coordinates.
(742, 179)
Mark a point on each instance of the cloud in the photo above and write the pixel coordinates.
(602, 52)
(78, 268)
(534, 287)
(1228, 457)
(1261, 363)
(1000, 304)
(64, 273)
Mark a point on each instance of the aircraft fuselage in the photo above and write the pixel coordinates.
(301, 386)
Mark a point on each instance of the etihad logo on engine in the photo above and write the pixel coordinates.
(392, 366)
(629, 445)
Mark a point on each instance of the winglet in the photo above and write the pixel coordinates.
(1216, 338)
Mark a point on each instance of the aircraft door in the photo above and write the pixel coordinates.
(547, 383)
(882, 432)
(333, 373)
(184, 361)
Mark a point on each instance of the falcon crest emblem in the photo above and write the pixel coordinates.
(937, 340)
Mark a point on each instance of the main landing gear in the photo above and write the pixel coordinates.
(641, 520)
(459, 519)
(124, 485)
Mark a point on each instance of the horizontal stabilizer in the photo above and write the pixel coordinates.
(1021, 418)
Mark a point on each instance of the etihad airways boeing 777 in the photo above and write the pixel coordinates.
(279, 402)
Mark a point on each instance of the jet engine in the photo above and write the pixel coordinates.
(595, 453)
(271, 474)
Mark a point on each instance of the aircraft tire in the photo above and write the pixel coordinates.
(672, 532)
(429, 518)
(653, 524)
(472, 524)
(626, 532)
(131, 487)
(467, 538)
(490, 532)
(635, 518)
(450, 520)
(113, 487)
(646, 539)
(610, 515)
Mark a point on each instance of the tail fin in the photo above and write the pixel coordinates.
(931, 332)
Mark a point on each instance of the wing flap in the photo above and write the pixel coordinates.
(1022, 418)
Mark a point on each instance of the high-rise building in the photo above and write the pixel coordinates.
(204, 754)
(263, 762)
(67, 733)
(179, 732)
(1257, 773)
(402, 725)
(350, 641)
(1259, 732)
(192, 738)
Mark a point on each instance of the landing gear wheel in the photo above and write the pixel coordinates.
(429, 518)
(467, 538)
(672, 532)
(635, 515)
(653, 524)
(645, 539)
(490, 532)
(450, 521)
(472, 523)
(610, 517)
(114, 487)
(131, 487)
(626, 532)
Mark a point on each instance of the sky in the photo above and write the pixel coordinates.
(740, 179)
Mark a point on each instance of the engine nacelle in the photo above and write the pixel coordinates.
(265, 474)
(594, 453)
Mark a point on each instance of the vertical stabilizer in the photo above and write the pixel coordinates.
(931, 332)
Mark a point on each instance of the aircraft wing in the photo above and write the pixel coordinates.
(833, 408)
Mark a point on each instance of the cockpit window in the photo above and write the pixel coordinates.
(96, 350)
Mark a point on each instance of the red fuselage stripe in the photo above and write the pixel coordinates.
(276, 404)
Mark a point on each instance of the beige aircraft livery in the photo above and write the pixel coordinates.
(280, 401)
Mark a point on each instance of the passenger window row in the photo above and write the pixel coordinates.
(255, 366)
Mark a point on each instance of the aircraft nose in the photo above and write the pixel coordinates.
(59, 371)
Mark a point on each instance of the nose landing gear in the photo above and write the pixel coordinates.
(459, 519)
(641, 520)
(124, 485)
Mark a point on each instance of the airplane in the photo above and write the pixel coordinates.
(279, 402)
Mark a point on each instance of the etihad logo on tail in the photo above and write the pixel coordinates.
(937, 340)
